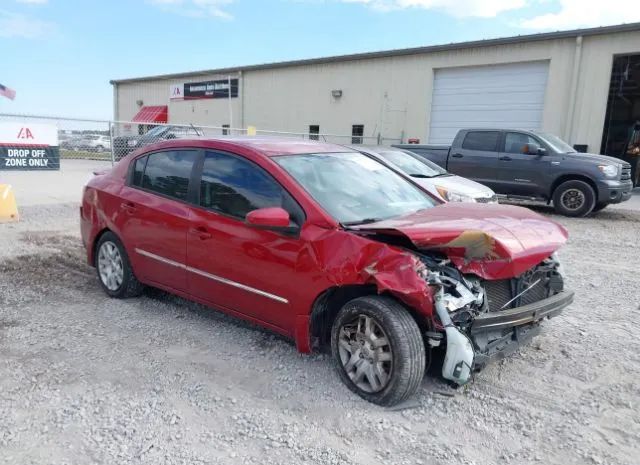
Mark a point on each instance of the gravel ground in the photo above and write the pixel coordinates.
(85, 379)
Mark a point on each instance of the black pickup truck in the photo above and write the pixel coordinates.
(532, 165)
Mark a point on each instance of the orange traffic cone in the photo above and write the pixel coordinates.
(8, 207)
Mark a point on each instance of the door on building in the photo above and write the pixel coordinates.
(507, 96)
(621, 135)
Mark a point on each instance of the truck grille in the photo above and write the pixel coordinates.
(626, 172)
(502, 291)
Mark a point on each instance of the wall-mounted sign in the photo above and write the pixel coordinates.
(176, 91)
(210, 89)
(29, 146)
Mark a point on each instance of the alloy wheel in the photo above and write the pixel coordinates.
(573, 199)
(110, 266)
(365, 353)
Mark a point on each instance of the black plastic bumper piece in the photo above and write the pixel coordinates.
(526, 314)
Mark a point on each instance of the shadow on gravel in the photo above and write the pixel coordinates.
(182, 308)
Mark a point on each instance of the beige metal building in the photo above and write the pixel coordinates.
(583, 85)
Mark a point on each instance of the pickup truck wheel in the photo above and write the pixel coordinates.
(600, 206)
(114, 269)
(378, 350)
(574, 198)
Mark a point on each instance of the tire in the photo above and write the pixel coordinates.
(574, 198)
(397, 368)
(110, 257)
(599, 206)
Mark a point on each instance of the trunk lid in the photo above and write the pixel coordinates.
(491, 241)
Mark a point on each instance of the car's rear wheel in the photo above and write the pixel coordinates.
(574, 198)
(114, 269)
(378, 350)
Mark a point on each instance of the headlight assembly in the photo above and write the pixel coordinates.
(451, 196)
(610, 171)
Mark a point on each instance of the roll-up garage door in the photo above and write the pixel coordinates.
(496, 96)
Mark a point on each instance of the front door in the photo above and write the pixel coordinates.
(153, 217)
(244, 269)
(522, 173)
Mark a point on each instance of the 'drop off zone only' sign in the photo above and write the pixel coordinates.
(29, 146)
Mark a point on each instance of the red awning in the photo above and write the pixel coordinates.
(152, 114)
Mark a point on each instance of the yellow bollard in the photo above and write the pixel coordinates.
(8, 207)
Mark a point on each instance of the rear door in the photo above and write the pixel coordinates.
(154, 216)
(476, 157)
(242, 268)
(522, 173)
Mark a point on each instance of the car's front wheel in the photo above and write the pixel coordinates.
(378, 350)
(574, 198)
(114, 269)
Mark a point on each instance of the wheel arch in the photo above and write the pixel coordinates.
(94, 245)
(573, 177)
(327, 305)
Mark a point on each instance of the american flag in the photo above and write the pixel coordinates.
(7, 92)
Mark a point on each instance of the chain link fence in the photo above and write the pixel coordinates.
(112, 140)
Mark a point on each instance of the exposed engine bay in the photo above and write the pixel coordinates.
(461, 300)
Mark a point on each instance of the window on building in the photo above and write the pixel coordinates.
(234, 186)
(357, 133)
(514, 142)
(486, 141)
(168, 173)
(314, 131)
(225, 129)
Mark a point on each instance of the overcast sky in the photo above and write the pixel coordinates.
(59, 55)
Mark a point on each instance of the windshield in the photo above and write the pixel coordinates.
(411, 165)
(557, 144)
(354, 188)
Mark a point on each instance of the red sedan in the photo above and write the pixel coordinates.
(330, 247)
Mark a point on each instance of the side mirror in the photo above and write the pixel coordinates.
(532, 149)
(268, 218)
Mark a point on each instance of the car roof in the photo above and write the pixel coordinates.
(269, 146)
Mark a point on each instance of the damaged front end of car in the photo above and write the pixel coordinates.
(481, 319)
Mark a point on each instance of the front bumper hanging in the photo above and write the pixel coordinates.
(515, 327)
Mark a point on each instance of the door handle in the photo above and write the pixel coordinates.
(457, 155)
(505, 158)
(201, 232)
(129, 207)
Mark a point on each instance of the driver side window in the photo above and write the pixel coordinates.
(514, 142)
(234, 186)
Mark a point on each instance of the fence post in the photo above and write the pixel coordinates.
(113, 153)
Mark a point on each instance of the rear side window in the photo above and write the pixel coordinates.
(138, 171)
(481, 140)
(168, 173)
(234, 186)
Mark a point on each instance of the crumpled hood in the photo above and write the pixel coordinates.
(492, 241)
